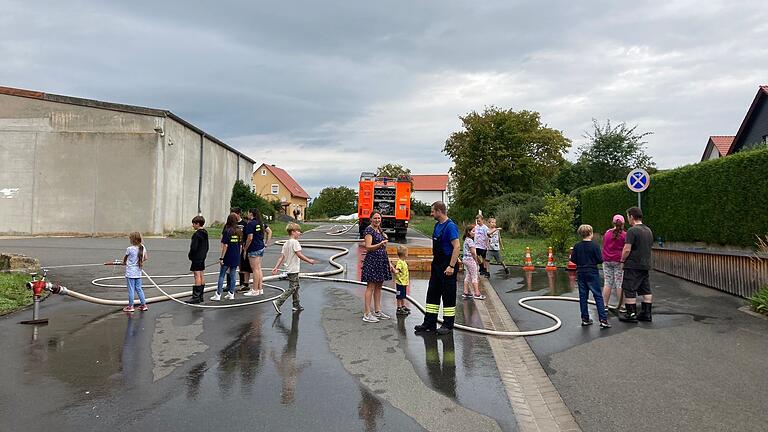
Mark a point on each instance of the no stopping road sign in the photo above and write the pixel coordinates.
(638, 180)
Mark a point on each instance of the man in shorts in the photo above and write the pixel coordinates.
(636, 262)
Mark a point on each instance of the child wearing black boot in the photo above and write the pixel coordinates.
(198, 250)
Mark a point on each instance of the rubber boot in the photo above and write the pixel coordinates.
(631, 314)
(429, 325)
(197, 295)
(447, 326)
(194, 295)
(645, 312)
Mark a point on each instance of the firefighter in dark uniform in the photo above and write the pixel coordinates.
(442, 281)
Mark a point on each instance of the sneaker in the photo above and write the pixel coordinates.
(370, 318)
(251, 293)
(230, 296)
(628, 317)
(487, 275)
(622, 309)
(478, 297)
(407, 309)
(466, 296)
(143, 308)
(423, 328)
(401, 311)
(244, 288)
(605, 324)
(381, 315)
(128, 309)
(586, 322)
(506, 270)
(298, 308)
(277, 308)
(261, 292)
(444, 331)
(216, 297)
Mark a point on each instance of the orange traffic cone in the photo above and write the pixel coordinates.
(571, 264)
(528, 262)
(550, 260)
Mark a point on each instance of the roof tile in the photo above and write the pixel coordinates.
(287, 181)
(430, 182)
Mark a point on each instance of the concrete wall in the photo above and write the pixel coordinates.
(428, 197)
(64, 159)
(70, 169)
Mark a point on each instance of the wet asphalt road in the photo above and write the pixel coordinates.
(176, 368)
(698, 367)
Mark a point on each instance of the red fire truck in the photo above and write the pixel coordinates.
(389, 196)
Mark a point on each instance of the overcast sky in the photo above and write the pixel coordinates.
(327, 89)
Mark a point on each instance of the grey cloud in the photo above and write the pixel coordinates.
(377, 82)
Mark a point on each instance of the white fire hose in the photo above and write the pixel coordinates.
(321, 276)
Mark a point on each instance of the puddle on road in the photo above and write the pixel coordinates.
(554, 283)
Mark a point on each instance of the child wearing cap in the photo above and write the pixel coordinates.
(587, 256)
(613, 243)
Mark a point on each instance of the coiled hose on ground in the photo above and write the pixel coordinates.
(321, 276)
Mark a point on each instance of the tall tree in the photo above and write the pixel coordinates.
(392, 170)
(333, 201)
(500, 151)
(613, 151)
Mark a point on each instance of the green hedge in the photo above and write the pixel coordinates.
(722, 201)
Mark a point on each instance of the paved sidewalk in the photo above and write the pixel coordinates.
(537, 404)
(699, 366)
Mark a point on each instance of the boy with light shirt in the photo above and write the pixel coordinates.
(291, 255)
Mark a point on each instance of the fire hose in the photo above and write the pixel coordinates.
(320, 276)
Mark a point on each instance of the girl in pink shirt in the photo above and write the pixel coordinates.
(613, 243)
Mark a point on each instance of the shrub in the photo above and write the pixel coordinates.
(496, 205)
(509, 219)
(513, 212)
(419, 208)
(245, 199)
(461, 215)
(759, 301)
(720, 201)
(557, 219)
(517, 219)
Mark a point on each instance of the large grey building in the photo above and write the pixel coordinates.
(78, 166)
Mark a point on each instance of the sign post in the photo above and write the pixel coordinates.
(638, 181)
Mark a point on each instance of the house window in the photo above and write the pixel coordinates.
(275, 189)
(263, 172)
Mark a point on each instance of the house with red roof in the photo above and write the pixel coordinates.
(430, 188)
(275, 184)
(752, 132)
(717, 146)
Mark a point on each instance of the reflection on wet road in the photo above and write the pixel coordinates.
(554, 283)
(174, 368)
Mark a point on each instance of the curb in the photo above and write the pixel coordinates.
(535, 401)
(747, 310)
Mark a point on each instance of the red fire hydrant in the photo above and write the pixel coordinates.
(37, 286)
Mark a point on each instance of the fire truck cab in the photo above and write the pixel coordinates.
(389, 196)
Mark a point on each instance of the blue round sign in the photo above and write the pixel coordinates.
(638, 180)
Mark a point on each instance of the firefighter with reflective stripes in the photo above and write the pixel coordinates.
(442, 281)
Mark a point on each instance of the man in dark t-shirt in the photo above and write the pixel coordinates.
(636, 260)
